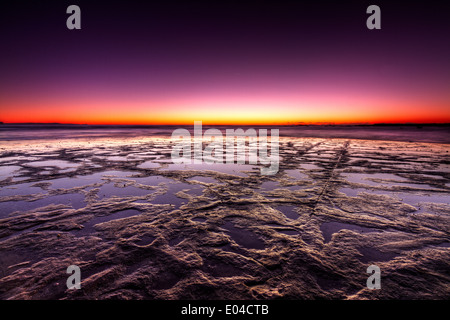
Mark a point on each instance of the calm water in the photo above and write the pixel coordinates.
(440, 134)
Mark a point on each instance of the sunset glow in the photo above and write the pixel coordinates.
(173, 68)
(215, 113)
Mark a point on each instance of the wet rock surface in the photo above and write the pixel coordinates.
(140, 227)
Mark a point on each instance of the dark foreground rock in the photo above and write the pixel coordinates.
(309, 232)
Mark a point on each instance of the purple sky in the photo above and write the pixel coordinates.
(234, 61)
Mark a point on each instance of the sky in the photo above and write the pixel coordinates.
(224, 62)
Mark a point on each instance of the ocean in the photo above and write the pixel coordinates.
(407, 133)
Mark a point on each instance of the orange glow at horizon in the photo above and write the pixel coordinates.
(210, 113)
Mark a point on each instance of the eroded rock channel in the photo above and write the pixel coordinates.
(140, 227)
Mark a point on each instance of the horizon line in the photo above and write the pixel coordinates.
(230, 124)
